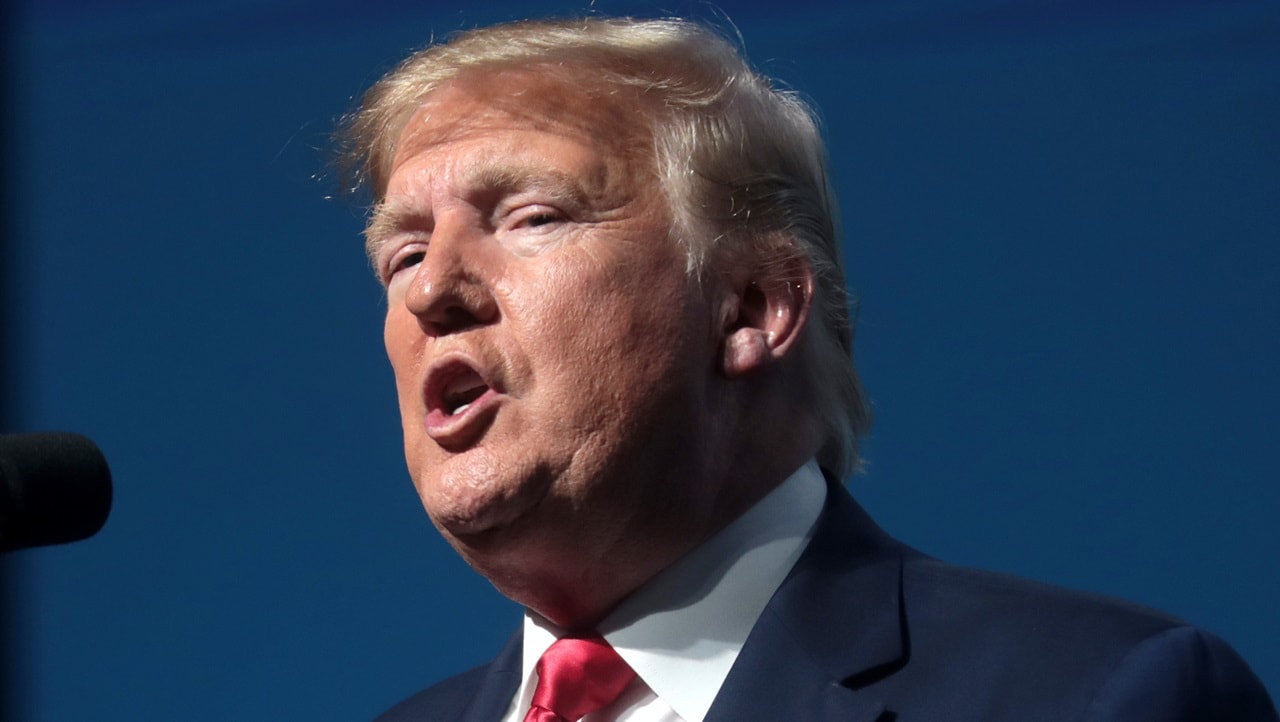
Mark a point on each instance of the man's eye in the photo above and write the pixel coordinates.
(541, 219)
(409, 260)
(536, 216)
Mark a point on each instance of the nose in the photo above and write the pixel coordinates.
(451, 291)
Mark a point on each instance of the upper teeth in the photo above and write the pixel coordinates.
(466, 393)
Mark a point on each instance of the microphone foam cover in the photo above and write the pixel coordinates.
(54, 488)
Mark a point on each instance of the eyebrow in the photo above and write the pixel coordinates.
(481, 177)
(387, 218)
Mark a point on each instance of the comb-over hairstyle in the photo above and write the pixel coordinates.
(742, 163)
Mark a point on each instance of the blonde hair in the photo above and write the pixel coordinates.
(742, 163)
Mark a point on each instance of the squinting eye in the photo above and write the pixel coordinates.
(541, 219)
(408, 261)
(536, 216)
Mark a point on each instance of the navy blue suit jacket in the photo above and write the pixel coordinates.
(866, 629)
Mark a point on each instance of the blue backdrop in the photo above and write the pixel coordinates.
(1062, 221)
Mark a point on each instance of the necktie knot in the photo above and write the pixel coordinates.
(577, 676)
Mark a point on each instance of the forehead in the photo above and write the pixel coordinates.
(499, 106)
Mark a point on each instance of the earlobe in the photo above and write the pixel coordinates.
(765, 316)
(745, 350)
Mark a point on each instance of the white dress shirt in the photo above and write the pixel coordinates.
(682, 631)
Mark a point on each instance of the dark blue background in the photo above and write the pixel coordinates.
(1061, 218)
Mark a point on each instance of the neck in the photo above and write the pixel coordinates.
(575, 573)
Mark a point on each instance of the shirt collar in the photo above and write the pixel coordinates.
(682, 631)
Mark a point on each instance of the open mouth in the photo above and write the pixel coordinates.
(453, 388)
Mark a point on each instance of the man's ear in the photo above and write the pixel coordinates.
(764, 314)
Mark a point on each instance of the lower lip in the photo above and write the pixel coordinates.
(461, 430)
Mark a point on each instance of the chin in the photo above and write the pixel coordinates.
(470, 497)
(472, 514)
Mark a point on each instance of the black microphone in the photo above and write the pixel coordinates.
(54, 488)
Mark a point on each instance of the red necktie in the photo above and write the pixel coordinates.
(577, 676)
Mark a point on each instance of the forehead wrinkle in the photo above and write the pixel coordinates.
(463, 113)
(487, 176)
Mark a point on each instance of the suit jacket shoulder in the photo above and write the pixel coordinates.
(1002, 644)
(866, 628)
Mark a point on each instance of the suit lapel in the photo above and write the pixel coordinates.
(498, 684)
(835, 625)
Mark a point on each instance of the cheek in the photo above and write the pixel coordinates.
(600, 327)
(612, 340)
(403, 346)
(547, 313)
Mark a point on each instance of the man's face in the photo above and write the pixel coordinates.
(552, 357)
